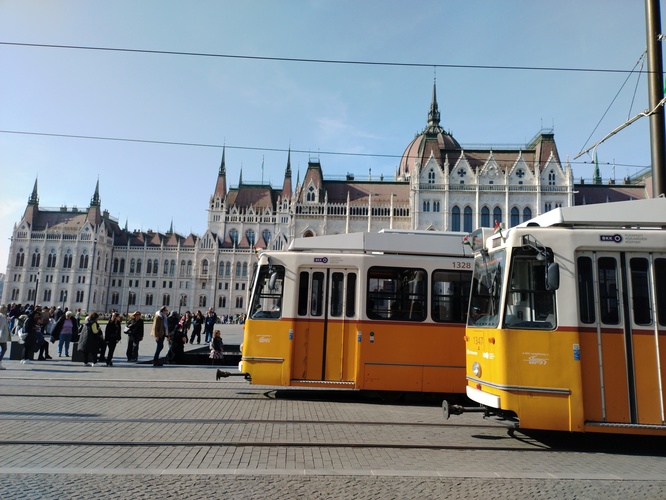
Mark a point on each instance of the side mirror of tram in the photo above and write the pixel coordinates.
(271, 281)
(553, 276)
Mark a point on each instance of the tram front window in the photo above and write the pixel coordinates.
(486, 290)
(529, 304)
(267, 297)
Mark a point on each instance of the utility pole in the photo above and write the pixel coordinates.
(655, 95)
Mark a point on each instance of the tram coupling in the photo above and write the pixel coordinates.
(222, 374)
(453, 409)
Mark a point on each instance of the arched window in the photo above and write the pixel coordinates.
(220, 269)
(149, 267)
(204, 266)
(527, 214)
(310, 196)
(20, 258)
(485, 217)
(431, 176)
(138, 266)
(436, 206)
(51, 261)
(189, 268)
(455, 218)
(426, 205)
(182, 268)
(238, 269)
(239, 302)
(35, 259)
(83, 260)
(149, 299)
(551, 178)
(515, 216)
(227, 269)
(250, 237)
(132, 266)
(122, 265)
(222, 301)
(156, 266)
(497, 215)
(267, 236)
(172, 268)
(166, 267)
(202, 301)
(166, 299)
(233, 236)
(244, 268)
(467, 219)
(115, 265)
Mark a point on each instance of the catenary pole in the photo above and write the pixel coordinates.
(655, 94)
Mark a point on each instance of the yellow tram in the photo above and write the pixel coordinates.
(371, 311)
(567, 320)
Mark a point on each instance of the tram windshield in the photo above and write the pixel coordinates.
(486, 289)
(267, 295)
(529, 302)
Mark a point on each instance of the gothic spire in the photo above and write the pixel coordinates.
(287, 172)
(221, 184)
(433, 114)
(223, 168)
(34, 199)
(95, 201)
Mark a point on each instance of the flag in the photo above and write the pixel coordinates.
(466, 241)
(498, 228)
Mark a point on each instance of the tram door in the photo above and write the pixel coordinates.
(324, 347)
(623, 344)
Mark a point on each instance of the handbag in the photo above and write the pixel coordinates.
(216, 354)
(22, 335)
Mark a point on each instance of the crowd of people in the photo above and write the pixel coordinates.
(36, 328)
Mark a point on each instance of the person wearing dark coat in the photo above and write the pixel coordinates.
(89, 340)
(177, 339)
(134, 331)
(33, 328)
(111, 338)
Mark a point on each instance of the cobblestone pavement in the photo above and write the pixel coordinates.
(134, 431)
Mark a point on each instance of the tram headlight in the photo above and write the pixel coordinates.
(476, 369)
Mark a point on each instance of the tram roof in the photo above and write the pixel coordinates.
(438, 243)
(634, 213)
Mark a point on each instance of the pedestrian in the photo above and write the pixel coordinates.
(89, 340)
(197, 323)
(186, 322)
(177, 340)
(111, 338)
(159, 332)
(32, 328)
(216, 347)
(134, 331)
(63, 332)
(209, 324)
(5, 334)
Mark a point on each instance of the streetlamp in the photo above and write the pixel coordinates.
(129, 297)
(34, 302)
(181, 302)
(64, 298)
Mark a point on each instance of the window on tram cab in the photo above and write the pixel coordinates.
(660, 285)
(337, 296)
(608, 291)
(529, 304)
(640, 291)
(397, 294)
(350, 301)
(267, 296)
(450, 294)
(317, 294)
(303, 288)
(586, 290)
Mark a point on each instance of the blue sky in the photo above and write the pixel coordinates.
(260, 108)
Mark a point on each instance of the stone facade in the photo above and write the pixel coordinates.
(84, 259)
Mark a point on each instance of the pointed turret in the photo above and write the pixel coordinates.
(240, 179)
(596, 178)
(95, 200)
(34, 199)
(221, 185)
(433, 114)
(170, 228)
(286, 186)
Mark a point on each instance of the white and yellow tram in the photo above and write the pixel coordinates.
(567, 320)
(371, 311)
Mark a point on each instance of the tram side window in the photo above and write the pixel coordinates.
(450, 294)
(660, 285)
(608, 292)
(585, 290)
(529, 304)
(267, 297)
(303, 289)
(397, 294)
(351, 295)
(640, 291)
(317, 294)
